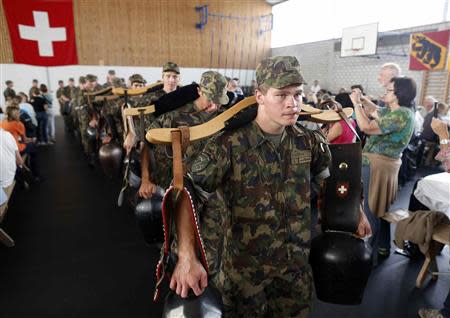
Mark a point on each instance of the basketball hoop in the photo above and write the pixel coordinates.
(359, 40)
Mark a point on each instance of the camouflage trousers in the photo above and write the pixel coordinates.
(84, 124)
(285, 292)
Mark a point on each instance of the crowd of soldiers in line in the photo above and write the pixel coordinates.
(93, 113)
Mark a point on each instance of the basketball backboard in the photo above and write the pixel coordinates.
(359, 40)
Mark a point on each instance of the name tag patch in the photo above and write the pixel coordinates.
(300, 156)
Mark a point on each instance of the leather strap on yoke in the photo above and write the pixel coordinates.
(177, 160)
(180, 142)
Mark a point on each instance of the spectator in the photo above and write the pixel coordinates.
(238, 89)
(419, 116)
(389, 133)
(441, 129)
(9, 157)
(430, 139)
(315, 88)
(9, 93)
(443, 113)
(13, 125)
(233, 93)
(51, 116)
(387, 72)
(25, 106)
(339, 132)
(34, 84)
(40, 107)
(429, 103)
(253, 86)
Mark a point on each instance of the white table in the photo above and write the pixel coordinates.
(433, 191)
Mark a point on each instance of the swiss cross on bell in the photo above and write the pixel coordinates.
(342, 189)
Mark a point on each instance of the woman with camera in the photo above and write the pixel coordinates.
(389, 129)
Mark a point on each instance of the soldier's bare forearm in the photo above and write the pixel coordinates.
(145, 162)
(185, 230)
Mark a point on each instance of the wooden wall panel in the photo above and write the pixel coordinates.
(6, 55)
(151, 32)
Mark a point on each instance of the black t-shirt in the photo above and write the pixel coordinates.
(38, 104)
(427, 132)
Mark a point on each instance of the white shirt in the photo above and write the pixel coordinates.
(30, 111)
(418, 123)
(8, 148)
(315, 88)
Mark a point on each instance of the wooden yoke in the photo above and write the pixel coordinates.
(98, 99)
(164, 135)
(100, 92)
(138, 91)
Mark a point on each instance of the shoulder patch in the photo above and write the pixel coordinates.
(200, 163)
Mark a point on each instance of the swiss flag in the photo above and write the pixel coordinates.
(41, 31)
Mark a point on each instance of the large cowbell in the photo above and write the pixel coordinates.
(110, 157)
(341, 262)
(207, 305)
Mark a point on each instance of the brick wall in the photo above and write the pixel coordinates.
(322, 61)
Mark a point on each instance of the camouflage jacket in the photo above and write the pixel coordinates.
(184, 116)
(61, 91)
(9, 92)
(267, 192)
(146, 100)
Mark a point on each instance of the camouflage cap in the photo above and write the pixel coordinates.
(82, 79)
(214, 86)
(136, 78)
(116, 82)
(91, 78)
(112, 72)
(279, 71)
(171, 67)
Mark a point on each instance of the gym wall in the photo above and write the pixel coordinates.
(151, 32)
(322, 61)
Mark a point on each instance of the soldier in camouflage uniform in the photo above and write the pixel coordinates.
(171, 80)
(9, 93)
(110, 79)
(87, 117)
(111, 110)
(265, 172)
(75, 99)
(63, 100)
(212, 91)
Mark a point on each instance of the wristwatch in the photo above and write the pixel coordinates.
(444, 141)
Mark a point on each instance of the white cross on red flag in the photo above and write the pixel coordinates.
(41, 31)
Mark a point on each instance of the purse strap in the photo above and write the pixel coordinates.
(349, 124)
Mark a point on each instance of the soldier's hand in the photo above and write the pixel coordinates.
(129, 142)
(364, 228)
(146, 189)
(93, 123)
(188, 274)
(106, 139)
